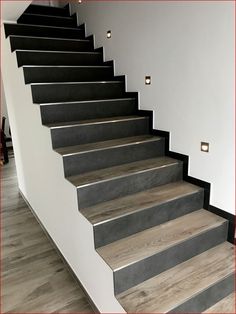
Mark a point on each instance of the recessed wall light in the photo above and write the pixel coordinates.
(108, 34)
(148, 80)
(205, 147)
(80, 1)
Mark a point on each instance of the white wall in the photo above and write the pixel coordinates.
(11, 10)
(41, 180)
(188, 49)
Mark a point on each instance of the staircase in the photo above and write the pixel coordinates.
(167, 253)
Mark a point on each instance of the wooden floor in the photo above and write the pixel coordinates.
(34, 279)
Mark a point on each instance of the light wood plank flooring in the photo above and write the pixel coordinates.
(34, 278)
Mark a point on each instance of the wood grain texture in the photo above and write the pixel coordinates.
(139, 201)
(121, 171)
(34, 278)
(226, 305)
(164, 292)
(154, 240)
(106, 144)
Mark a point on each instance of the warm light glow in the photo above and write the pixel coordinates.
(80, 1)
(108, 34)
(204, 147)
(148, 80)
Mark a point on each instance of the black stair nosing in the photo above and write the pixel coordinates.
(87, 122)
(147, 140)
(50, 38)
(85, 101)
(169, 257)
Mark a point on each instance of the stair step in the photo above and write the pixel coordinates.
(36, 57)
(72, 91)
(93, 156)
(226, 305)
(43, 31)
(148, 253)
(189, 287)
(127, 215)
(49, 43)
(71, 73)
(49, 20)
(84, 110)
(89, 131)
(42, 9)
(125, 179)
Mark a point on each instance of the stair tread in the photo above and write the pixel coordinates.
(175, 286)
(58, 51)
(226, 305)
(47, 15)
(124, 170)
(45, 26)
(96, 121)
(84, 148)
(139, 201)
(154, 240)
(78, 83)
(86, 101)
(49, 38)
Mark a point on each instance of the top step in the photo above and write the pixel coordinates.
(47, 10)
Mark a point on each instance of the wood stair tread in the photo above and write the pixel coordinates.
(173, 287)
(154, 240)
(84, 148)
(95, 121)
(226, 305)
(121, 171)
(136, 202)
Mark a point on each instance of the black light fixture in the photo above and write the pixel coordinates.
(205, 147)
(108, 34)
(148, 80)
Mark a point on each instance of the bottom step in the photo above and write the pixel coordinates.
(191, 287)
(226, 305)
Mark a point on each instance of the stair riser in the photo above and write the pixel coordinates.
(35, 9)
(208, 297)
(90, 161)
(50, 58)
(86, 110)
(154, 265)
(112, 189)
(47, 20)
(72, 92)
(98, 132)
(116, 229)
(24, 30)
(30, 43)
(70, 74)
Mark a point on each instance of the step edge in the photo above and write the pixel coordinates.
(75, 83)
(110, 147)
(49, 38)
(85, 101)
(45, 15)
(137, 172)
(111, 121)
(57, 51)
(209, 228)
(45, 26)
(143, 208)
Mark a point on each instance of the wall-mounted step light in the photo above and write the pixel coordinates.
(205, 147)
(148, 80)
(108, 34)
(80, 1)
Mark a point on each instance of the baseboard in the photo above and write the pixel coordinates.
(70, 270)
(205, 185)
